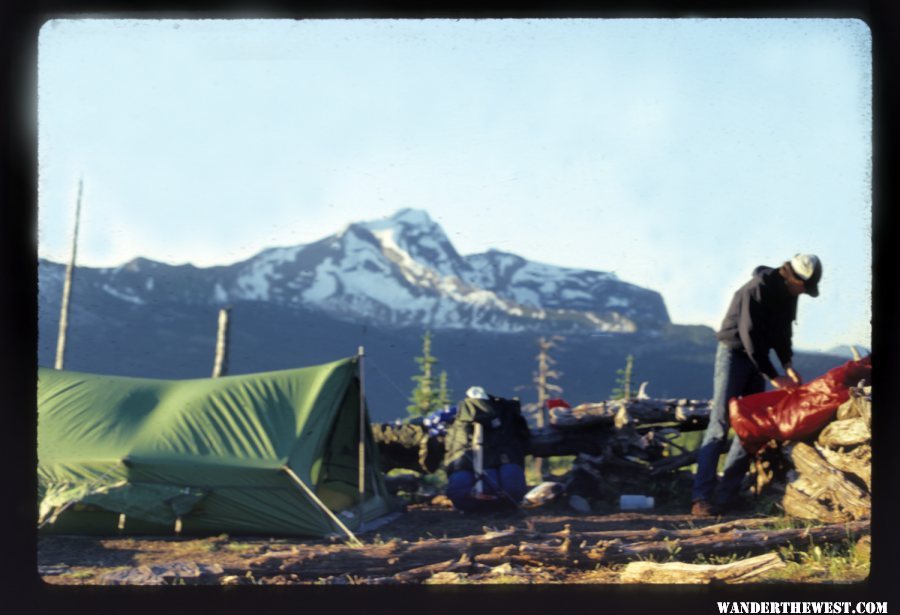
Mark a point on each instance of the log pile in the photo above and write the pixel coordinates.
(621, 446)
(401, 561)
(626, 425)
(830, 480)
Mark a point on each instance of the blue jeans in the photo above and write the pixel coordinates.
(509, 477)
(735, 375)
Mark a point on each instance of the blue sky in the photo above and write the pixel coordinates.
(679, 154)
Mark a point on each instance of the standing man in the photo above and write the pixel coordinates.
(759, 319)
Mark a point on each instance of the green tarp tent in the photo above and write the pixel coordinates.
(273, 453)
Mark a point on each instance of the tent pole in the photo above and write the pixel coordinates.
(362, 434)
(312, 496)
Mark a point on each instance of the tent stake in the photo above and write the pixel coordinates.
(67, 287)
(312, 496)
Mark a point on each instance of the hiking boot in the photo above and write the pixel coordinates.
(701, 508)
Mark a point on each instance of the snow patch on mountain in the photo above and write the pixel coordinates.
(123, 294)
(413, 234)
(219, 294)
(253, 282)
(277, 256)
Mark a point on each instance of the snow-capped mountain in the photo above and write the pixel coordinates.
(398, 271)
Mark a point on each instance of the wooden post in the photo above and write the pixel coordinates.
(67, 286)
(362, 434)
(220, 367)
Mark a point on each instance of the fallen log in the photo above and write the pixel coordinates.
(554, 553)
(381, 560)
(689, 414)
(669, 464)
(679, 572)
(462, 565)
(550, 442)
(727, 543)
(656, 534)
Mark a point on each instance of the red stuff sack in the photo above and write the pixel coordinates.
(793, 414)
(557, 403)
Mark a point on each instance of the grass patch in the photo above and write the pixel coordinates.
(840, 562)
(503, 579)
(78, 575)
(555, 467)
(240, 547)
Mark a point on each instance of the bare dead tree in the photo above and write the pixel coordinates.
(542, 380)
(67, 287)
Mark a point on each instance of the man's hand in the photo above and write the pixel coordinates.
(793, 375)
(783, 382)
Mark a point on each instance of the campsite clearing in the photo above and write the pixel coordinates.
(431, 543)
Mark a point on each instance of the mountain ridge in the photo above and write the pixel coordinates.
(400, 270)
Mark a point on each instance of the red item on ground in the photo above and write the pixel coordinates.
(557, 403)
(793, 414)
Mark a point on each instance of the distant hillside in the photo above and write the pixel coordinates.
(380, 284)
(169, 340)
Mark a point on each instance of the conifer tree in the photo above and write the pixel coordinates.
(424, 398)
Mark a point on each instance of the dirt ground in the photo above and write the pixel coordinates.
(241, 560)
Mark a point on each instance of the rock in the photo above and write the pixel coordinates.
(188, 570)
(502, 569)
(162, 574)
(448, 578)
(543, 493)
(142, 575)
(441, 500)
(580, 504)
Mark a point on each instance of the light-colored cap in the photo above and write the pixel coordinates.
(808, 268)
(476, 393)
